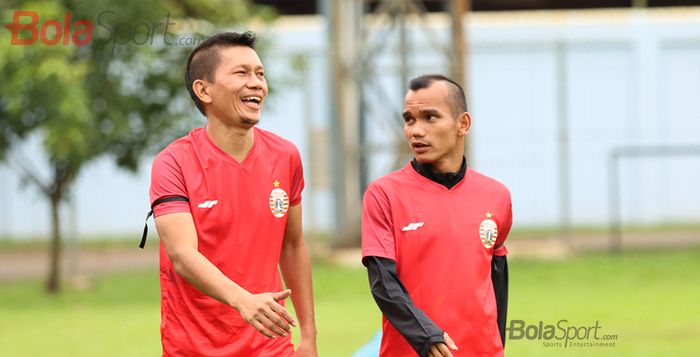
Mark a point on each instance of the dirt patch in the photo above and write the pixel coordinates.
(20, 265)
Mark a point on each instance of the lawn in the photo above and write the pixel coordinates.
(649, 300)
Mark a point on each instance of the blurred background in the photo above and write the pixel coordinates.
(589, 111)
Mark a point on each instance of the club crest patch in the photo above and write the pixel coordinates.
(279, 201)
(488, 231)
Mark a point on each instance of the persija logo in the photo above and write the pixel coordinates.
(50, 32)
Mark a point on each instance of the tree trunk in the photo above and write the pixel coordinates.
(53, 284)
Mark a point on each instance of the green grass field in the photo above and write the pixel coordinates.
(650, 300)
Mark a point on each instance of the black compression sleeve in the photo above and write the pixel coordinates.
(397, 306)
(499, 278)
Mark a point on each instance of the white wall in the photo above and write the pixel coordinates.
(633, 77)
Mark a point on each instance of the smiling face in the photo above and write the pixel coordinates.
(238, 88)
(435, 135)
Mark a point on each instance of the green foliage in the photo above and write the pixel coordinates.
(121, 94)
(39, 93)
(114, 96)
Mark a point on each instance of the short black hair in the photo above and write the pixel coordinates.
(203, 61)
(456, 97)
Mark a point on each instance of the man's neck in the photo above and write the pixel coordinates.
(235, 141)
(448, 164)
(447, 179)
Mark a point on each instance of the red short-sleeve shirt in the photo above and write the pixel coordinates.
(240, 212)
(442, 241)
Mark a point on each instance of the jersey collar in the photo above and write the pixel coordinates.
(447, 179)
(219, 153)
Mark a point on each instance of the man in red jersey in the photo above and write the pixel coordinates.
(227, 202)
(433, 234)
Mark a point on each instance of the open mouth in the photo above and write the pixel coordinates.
(252, 101)
(419, 146)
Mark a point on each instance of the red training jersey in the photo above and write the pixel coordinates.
(442, 241)
(240, 213)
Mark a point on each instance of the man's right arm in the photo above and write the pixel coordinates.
(378, 250)
(397, 306)
(179, 237)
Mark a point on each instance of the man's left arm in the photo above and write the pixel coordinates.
(499, 278)
(296, 271)
(499, 272)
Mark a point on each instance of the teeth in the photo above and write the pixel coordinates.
(252, 98)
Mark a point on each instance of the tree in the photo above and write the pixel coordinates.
(120, 95)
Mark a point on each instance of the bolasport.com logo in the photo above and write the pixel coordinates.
(29, 28)
(561, 334)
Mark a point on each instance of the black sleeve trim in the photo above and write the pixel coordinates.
(150, 213)
(398, 307)
(499, 278)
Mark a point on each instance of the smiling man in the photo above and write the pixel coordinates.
(433, 234)
(227, 202)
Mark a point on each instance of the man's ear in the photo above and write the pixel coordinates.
(201, 90)
(465, 123)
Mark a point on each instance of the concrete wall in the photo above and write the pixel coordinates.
(630, 77)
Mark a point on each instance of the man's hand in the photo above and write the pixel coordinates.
(443, 349)
(264, 313)
(307, 348)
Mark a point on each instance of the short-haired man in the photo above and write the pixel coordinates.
(227, 202)
(433, 234)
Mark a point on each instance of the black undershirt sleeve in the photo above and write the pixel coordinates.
(499, 278)
(397, 306)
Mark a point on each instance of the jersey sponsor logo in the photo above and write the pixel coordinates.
(207, 204)
(279, 201)
(488, 231)
(412, 226)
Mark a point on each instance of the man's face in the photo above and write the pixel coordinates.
(239, 87)
(433, 132)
